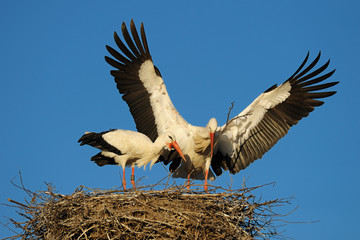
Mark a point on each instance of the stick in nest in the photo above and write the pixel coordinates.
(172, 213)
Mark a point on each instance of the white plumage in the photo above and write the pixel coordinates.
(239, 142)
(125, 148)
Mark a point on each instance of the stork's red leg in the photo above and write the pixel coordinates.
(133, 175)
(207, 166)
(124, 181)
(188, 181)
(205, 184)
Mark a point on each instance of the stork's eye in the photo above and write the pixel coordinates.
(171, 138)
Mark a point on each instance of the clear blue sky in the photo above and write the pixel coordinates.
(55, 85)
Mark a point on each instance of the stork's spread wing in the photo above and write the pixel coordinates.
(269, 117)
(141, 84)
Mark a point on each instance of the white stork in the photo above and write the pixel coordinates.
(240, 141)
(124, 148)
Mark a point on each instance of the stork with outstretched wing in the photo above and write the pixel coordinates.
(233, 146)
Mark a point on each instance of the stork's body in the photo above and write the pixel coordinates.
(239, 142)
(197, 143)
(125, 148)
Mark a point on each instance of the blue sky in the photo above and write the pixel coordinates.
(55, 85)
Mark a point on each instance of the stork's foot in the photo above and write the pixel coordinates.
(206, 188)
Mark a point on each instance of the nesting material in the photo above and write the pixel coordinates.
(172, 213)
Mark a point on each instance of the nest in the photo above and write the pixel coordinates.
(145, 213)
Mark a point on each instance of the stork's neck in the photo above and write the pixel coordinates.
(151, 155)
(203, 132)
(155, 151)
(202, 141)
(158, 145)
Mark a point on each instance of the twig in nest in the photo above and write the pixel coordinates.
(173, 213)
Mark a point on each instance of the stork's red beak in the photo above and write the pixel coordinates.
(177, 148)
(212, 143)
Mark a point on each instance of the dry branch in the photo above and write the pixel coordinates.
(172, 213)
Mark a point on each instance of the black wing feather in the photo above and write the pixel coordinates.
(127, 63)
(278, 120)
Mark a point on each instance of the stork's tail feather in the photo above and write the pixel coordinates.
(91, 138)
(96, 140)
(102, 160)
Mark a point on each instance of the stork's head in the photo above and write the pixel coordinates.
(212, 125)
(172, 144)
